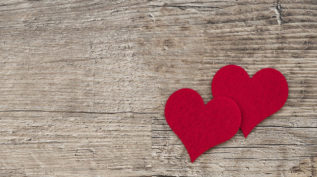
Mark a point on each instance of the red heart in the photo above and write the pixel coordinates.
(201, 126)
(258, 97)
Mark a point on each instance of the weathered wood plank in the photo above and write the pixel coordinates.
(84, 84)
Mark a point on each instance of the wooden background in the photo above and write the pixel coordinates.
(84, 84)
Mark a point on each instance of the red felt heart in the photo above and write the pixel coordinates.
(201, 126)
(258, 97)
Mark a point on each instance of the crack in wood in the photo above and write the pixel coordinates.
(278, 12)
(184, 7)
(79, 112)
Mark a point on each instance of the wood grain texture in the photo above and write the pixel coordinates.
(84, 84)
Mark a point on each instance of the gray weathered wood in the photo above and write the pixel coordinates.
(84, 84)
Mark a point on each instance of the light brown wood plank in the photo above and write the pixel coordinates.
(84, 85)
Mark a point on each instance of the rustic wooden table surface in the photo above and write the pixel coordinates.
(84, 85)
